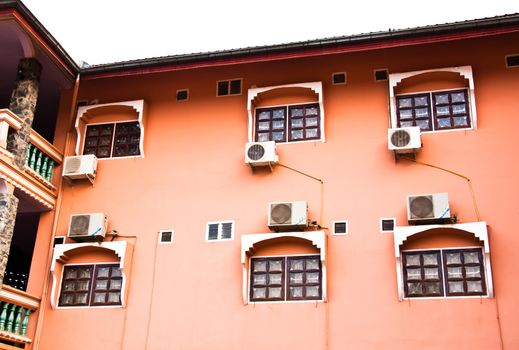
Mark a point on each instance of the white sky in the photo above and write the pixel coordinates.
(104, 31)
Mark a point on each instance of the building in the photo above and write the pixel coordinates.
(378, 239)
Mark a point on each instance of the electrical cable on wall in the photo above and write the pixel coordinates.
(321, 194)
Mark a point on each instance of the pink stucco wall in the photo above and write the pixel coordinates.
(187, 295)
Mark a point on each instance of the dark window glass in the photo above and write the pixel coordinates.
(271, 124)
(98, 140)
(127, 139)
(422, 274)
(267, 279)
(339, 78)
(223, 88)
(381, 75)
(304, 278)
(93, 285)
(464, 272)
(414, 110)
(235, 87)
(304, 123)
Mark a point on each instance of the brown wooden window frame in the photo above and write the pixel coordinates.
(286, 282)
(432, 110)
(288, 119)
(423, 281)
(91, 287)
(443, 272)
(229, 87)
(114, 144)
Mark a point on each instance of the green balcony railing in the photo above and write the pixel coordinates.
(40, 162)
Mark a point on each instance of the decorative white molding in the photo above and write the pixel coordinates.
(122, 249)
(464, 71)
(478, 229)
(83, 113)
(316, 87)
(316, 238)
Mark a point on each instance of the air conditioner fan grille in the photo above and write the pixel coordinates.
(281, 213)
(400, 138)
(72, 165)
(256, 152)
(79, 225)
(421, 207)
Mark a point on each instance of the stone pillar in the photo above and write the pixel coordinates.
(23, 104)
(8, 207)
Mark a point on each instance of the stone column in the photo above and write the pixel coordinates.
(8, 207)
(23, 104)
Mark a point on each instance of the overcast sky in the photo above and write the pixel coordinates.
(104, 31)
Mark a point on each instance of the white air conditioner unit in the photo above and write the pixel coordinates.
(80, 167)
(428, 209)
(261, 153)
(404, 140)
(288, 216)
(87, 227)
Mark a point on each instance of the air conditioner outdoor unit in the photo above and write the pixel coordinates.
(87, 227)
(261, 153)
(404, 140)
(288, 216)
(80, 167)
(428, 209)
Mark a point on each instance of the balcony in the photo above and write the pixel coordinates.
(16, 308)
(35, 180)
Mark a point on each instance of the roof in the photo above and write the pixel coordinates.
(447, 31)
(27, 15)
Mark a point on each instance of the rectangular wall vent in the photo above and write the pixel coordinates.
(512, 61)
(387, 224)
(220, 231)
(339, 78)
(166, 236)
(380, 74)
(340, 228)
(182, 95)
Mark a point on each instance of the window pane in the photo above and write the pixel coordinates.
(312, 291)
(278, 136)
(456, 287)
(414, 274)
(471, 257)
(472, 272)
(259, 279)
(278, 113)
(296, 292)
(296, 112)
(461, 121)
(414, 288)
(444, 123)
(84, 272)
(406, 114)
(116, 284)
(312, 277)
(275, 292)
(406, 124)
(296, 123)
(275, 265)
(430, 259)
(404, 102)
(454, 272)
(458, 97)
(297, 134)
(421, 112)
(432, 288)
(116, 271)
(71, 273)
(105, 141)
(312, 264)
(99, 298)
(474, 287)
(296, 264)
(278, 124)
(421, 101)
(459, 109)
(114, 298)
(423, 124)
(103, 272)
(453, 258)
(274, 278)
(311, 133)
(412, 260)
(101, 285)
(431, 273)
(441, 98)
(442, 110)
(311, 122)
(260, 266)
(263, 125)
(265, 115)
(103, 152)
(67, 299)
(259, 293)
(70, 286)
(91, 142)
(81, 298)
(312, 111)
(296, 278)
(262, 137)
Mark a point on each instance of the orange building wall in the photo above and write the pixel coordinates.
(187, 295)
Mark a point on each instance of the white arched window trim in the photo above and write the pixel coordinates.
(464, 71)
(316, 238)
(316, 87)
(478, 229)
